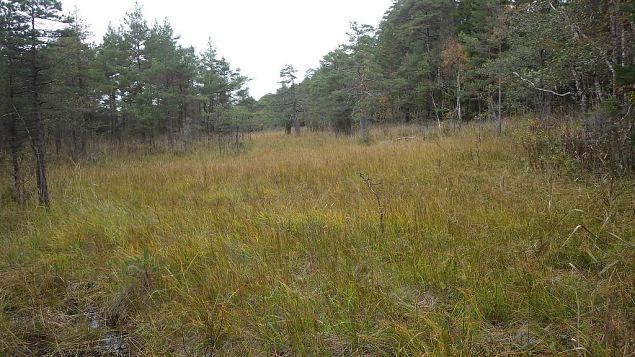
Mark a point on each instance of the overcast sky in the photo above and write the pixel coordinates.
(257, 36)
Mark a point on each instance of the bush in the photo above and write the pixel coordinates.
(602, 142)
(544, 146)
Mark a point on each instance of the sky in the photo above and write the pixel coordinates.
(257, 36)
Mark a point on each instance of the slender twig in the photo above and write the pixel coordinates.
(372, 184)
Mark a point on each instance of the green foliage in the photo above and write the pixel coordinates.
(515, 57)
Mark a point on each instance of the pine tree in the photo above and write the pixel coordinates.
(288, 75)
(13, 27)
(39, 38)
(74, 94)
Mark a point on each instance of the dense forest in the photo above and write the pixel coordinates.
(430, 61)
(435, 61)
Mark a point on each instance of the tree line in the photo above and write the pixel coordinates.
(60, 93)
(458, 60)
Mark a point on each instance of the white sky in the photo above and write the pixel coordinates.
(257, 36)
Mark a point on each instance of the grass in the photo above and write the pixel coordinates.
(279, 251)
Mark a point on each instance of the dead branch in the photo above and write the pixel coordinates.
(541, 89)
(372, 184)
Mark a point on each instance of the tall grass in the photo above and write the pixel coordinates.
(279, 251)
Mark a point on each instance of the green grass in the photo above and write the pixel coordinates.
(278, 251)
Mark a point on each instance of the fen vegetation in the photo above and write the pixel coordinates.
(457, 181)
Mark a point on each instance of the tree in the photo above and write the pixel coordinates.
(454, 60)
(13, 25)
(38, 11)
(221, 89)
(288, 75)
(74, 96)
(110, 68)
(361, 45)
(134, 35)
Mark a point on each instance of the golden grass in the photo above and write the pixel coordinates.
(278, 251)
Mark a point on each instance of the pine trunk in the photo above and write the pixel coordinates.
(38, 136)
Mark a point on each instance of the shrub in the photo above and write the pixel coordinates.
(601, 142)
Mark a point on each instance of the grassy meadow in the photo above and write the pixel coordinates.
(278, 250)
